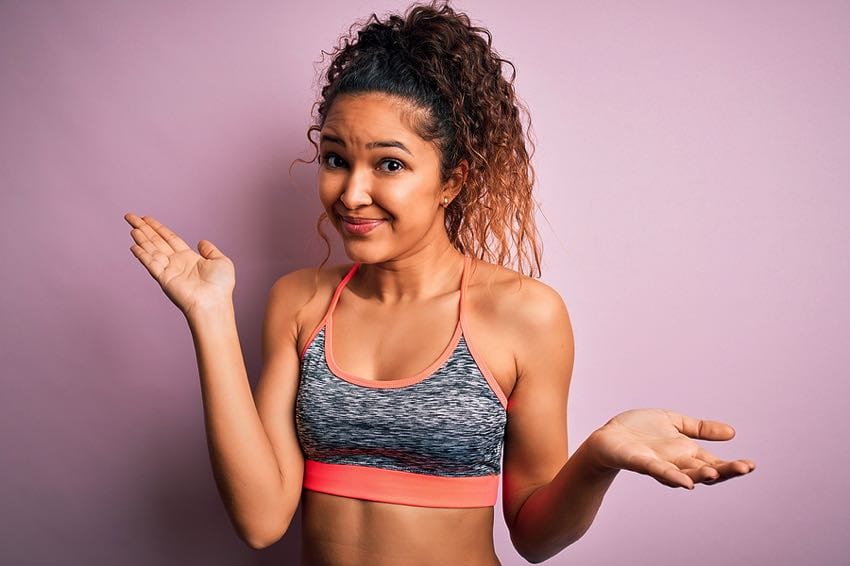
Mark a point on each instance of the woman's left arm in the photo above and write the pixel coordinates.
(550, 501)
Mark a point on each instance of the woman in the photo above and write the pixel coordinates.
(424, 172)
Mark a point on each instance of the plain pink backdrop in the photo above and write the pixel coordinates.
(693, 168)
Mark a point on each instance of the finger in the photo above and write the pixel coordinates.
(138, 233)
(735, 468)
(703, 474)
(691, 463)
(702, 429)
(143, 241)
(155, 262)
(665, 472)
(741, 465)
(167, 235)
(708, 457)
(146, 237)
(697, 469)
(208, 250)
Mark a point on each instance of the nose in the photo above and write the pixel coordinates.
(357, 189)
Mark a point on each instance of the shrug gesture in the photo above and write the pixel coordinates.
(190, 280)
(658, 443)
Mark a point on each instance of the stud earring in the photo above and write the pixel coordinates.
(445, 201)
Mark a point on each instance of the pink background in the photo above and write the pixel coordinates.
(693, 165)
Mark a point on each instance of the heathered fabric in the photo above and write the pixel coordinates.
(449, 423)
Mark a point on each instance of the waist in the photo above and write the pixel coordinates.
(405, 488)
(337, 530)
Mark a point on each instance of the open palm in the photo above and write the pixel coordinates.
(660, 444)
(189, 279)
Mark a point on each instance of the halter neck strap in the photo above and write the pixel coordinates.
(464, 281)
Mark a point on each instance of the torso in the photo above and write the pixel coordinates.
(340, 530)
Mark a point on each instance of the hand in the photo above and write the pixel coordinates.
(658, 443)
(188, 279)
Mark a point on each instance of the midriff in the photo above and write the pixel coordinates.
(340, 531)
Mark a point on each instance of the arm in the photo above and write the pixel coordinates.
(561, 511)
(254, 454)
(551, 501)
(256, 459)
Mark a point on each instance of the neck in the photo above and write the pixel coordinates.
(428, 272)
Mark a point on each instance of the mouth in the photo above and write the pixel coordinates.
(359, 226)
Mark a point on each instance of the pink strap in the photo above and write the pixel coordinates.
(464, 281)
(334, 300)
(339, 287)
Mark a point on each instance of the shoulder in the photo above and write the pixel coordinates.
(303, 282)
(294, 291)
(530, 316)
(527, 303)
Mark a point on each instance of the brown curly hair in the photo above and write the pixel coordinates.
(433, 57)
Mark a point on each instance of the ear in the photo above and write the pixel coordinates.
(452, 187)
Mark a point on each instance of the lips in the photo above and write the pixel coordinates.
(360, 220)
(359, 226)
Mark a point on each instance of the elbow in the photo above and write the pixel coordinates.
(259, 544)
(535, 557)
(528, 553)
(259, 541)
(537, 553)
(261, 529)
(263, 535)
(531, 556)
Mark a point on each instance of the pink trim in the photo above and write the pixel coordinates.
(404, 488)
(334, 299)
(488, 375)
(394, 383)
(494, 384)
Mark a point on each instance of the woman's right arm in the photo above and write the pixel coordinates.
(255, 455)
(256, 459)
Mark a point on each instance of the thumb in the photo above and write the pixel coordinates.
(703, 429)
(208, 250)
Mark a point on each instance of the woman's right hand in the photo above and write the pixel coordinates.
(190, 280)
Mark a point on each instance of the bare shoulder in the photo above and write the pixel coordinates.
(522, 322)
(516, 299)
(296, 298)
(296, 289)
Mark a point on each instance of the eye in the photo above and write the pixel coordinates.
(332, 161)
(391, 165)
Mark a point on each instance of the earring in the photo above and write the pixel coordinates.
(445, 201)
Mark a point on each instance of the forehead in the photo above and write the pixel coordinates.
(372, 115)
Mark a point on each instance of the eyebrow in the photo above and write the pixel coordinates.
(370, 145)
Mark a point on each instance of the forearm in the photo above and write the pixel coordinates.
(246, 471)
(559, 513)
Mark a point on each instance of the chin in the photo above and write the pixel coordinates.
(364, 252)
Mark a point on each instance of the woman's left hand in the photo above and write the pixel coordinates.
(659, 443)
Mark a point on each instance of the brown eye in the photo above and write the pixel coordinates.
(332, 161)
(391, 165)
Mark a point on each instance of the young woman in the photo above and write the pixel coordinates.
(393, 386)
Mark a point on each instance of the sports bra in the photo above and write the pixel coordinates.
(433, 439)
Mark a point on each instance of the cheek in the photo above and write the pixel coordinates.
(328, 190)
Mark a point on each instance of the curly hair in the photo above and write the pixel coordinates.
(434, 58)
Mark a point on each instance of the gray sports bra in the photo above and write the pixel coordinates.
(433, 439)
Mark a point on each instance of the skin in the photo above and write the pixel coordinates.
(408, 289)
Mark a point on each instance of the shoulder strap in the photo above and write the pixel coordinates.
(327, 316)
(464, 281)
(341, 285)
